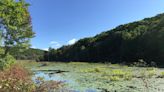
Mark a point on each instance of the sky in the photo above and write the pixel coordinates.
(63, 22)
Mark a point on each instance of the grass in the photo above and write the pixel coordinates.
(93, 70)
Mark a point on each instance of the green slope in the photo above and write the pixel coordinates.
(29, 54)
(126, 43)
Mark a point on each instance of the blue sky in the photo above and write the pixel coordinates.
(62, 22)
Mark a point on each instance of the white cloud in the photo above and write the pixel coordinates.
(54, 44)
(33, 47)
(46, 49)
(70, 42)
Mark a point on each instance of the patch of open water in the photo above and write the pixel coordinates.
(69, 81)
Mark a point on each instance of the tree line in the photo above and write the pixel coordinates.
(126, 43)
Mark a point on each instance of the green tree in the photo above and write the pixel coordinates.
(15, 29)
(15, 24)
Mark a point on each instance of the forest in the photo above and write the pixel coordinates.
(124, 44)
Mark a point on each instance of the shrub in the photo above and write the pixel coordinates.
(47, 86)
(140, 63)
(16, 79)
(6, 62)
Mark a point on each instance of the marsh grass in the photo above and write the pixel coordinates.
(162, 74)
(47, 86)
(104, 76)
(78, 63)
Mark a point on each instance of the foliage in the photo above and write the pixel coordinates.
(120, 74)
(95, 70)
(151, 72)
(5, 62)
(140, 63)
(29, 54)
(15, 25)
(46, 86)
(148, 73)
(126, 43)
(114, 78)
(18, 79)
(15, 29)
(162, 74)
(131, 79)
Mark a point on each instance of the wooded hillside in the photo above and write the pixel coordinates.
(126, 43)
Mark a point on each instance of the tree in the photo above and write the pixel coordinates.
(124, 44)
(15, 25)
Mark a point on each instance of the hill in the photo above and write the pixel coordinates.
(128, 43)
(29, 54)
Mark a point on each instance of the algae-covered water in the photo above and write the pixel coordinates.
(96, 77)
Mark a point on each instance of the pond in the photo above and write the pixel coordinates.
(95, 77)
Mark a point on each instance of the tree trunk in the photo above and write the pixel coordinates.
(6, 51)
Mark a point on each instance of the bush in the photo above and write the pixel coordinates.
(18, 79)
(6, 62)
(140, 63)
(47, 86)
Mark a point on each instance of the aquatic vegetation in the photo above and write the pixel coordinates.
(44, 64)
(47, 86)
(114, 78)
(115, 65)
(78, 63)
(162, 75)
(95, 70)
(117, 75)
(151, 72)
(100, 76)
(147, 73)
(128, 76)
(118, 72)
